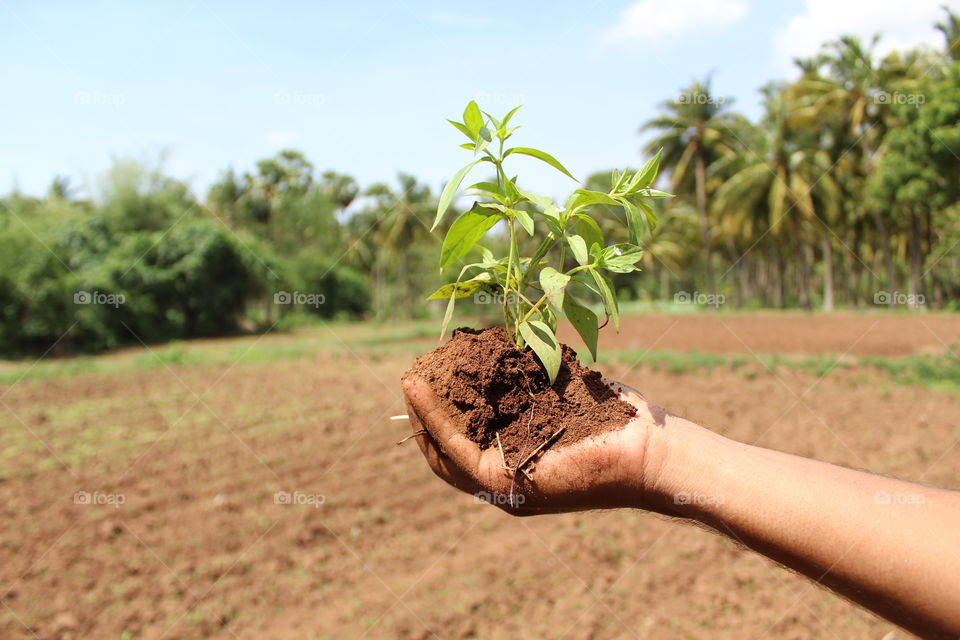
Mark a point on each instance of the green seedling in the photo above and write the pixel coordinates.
(571, 264)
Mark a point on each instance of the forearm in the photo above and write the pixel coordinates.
(889, 545)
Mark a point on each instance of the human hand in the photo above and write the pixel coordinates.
(610, 470)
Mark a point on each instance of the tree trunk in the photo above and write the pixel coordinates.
(827, 270)
(378, 302)
(887, 254)
(701, 181)
(856, 267)
(936, 290)
(849, 279)
(881, 228)
(915, 278)
(404, 286)
(803, 274)
(778, 290)
(743, 289)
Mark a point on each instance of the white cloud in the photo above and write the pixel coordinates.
(901, 25)
(281, 138)
(649, 21)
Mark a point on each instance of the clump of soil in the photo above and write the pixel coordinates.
(491, 387)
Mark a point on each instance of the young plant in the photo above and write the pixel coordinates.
(537, 289)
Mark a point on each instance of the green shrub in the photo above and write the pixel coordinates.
(345, 292)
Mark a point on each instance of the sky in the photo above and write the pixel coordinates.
(364, 87)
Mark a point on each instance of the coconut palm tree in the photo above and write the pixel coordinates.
(339, 187)
(386, 239)
(788, 182)
(848, 91)
(950, 28)
(693, 131)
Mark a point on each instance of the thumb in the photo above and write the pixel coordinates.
(462, 451)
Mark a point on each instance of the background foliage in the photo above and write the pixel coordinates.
(845, 193)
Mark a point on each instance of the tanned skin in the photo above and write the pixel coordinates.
(893, 547)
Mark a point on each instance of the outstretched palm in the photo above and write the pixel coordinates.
(603, 471)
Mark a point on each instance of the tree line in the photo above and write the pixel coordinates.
(844, 192)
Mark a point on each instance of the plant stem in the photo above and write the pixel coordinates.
(534, 308)
(580, 268)
(511, 226)
(545, 246)
(519, 276)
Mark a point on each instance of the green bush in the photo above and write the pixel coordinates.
(188, 281)
(91, 289)
(344, 291)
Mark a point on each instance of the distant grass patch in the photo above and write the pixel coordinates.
(673, 361)
(375, 340)
(937, 372)
(367, 338)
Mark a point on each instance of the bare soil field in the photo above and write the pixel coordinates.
(789, 333)
(268, 500)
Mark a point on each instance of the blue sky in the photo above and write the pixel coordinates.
(364, 87)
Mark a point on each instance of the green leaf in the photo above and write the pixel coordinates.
(584, 321)
(596, 254)
(646, 174)
(618, 180)
(495, 206)
(465, 232)
(485, 134)
(544, 343)
(609, 299)
(554, 283)
(456, 290)
(653, 193)
(481, 146)
(540, 201)
(461, 289)
(511, 190)
(540, 155)
(634, 221)
(588, 229)
(579, 248)
(486, 185)
(496, 123)
(552, 221)
(621, 258)
(447, 315)
(506, 118)
(582, 277)
(461, 128)
(491, 189)
(450, 190)
(586, 197)
(524, 219)
(473, 119)
(650, 215)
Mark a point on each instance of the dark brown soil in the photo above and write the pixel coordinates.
(493, 388)
(201, 549)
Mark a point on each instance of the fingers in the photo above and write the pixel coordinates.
(439, 464)
(629, 394)
(433, 417)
